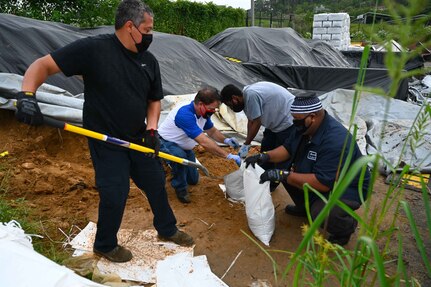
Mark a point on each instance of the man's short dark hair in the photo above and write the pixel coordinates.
(131, 10)
(228, 91)
(207, 95)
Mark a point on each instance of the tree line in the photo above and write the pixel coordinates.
(201, 21)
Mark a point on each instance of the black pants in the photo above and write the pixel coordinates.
(340, 223)
(114, 166)
(270, 141)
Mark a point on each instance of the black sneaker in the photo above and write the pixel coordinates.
(183, 196)
(180, 238)
(340, 240)
(295, 211)
(119, 254)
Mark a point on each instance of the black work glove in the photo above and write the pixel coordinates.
(152, 140)
(260, 158)
(28, 110)
(274, 175)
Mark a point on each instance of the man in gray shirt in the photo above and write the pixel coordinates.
(265, 104)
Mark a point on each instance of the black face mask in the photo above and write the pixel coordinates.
(300, 125)
(145, 43)
(237, 108)
(207, 115)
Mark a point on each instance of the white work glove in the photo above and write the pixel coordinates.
(243, 150)
(235, 157)
(233, 142)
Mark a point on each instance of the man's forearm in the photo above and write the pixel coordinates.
(216, 135)
(252, 130)
(299, 179)
(209, 145)
(153, 114)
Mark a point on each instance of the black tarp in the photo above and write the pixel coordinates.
(274, 46)
(185, 64)
(323, 79)
(23, 40)
(376, 59)
(280, 55)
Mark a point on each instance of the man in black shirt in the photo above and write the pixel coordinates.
(122, 88)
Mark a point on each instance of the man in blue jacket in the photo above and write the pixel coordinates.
(313, 152)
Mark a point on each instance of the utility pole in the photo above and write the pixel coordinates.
(252, 12)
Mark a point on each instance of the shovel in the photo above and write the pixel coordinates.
(88, 133)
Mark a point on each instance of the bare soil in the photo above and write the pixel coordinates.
(52, 171)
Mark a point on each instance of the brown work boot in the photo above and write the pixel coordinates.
(180, 238)
(119, 254)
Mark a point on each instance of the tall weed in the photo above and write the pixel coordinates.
(316, 262)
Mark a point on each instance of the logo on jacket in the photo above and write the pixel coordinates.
(312, 155)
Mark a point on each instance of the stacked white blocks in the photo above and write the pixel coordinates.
(333, 28)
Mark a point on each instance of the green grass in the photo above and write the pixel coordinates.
(18, 209)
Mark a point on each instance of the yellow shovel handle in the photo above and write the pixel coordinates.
(95, 135)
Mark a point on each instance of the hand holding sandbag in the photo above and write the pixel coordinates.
(274, 175)
(259, 158)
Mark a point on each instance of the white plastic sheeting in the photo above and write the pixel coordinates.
(387, 125)
(21, 266)
(183, 270)
(147, 251)
(53, 101)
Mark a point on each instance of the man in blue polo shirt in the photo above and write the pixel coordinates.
(313, 153)
(184, 128)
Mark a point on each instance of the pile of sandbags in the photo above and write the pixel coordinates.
(333, 28)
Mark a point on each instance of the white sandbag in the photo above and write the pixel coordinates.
(235, 185)
(258, 205)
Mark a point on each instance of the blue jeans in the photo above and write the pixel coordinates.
(181, 175)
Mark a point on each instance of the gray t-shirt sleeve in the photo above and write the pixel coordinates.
(254, 105)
